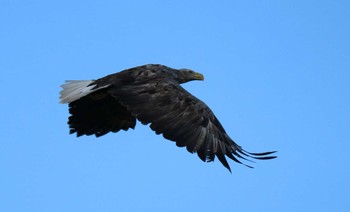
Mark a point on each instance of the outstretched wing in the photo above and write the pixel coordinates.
(99, 113)
(181, 117)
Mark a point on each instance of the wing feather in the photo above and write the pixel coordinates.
(98, 116)
(181, 117)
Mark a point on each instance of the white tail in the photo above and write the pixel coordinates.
(76, 89)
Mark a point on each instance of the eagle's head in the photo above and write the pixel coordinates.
(186, 75)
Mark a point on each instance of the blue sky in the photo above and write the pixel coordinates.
(277, 77)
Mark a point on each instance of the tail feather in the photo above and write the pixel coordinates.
(76, 89)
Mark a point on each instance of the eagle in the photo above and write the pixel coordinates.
(152, 94)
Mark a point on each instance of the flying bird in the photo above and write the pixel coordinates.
(153, 95)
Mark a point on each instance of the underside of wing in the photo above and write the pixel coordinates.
(97, 114)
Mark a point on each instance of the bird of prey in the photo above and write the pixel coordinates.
(153, 95)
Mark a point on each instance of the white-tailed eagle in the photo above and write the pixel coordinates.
(151, 94)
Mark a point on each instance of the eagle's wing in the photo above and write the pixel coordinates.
(99, 113)
(181, 117)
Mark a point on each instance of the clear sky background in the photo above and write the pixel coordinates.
(277, 75)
